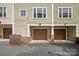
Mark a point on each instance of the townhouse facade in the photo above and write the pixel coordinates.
(66, 20)
(40, 21)
(36, 22)
(5, 20)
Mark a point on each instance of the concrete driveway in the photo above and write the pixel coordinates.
(39, 49)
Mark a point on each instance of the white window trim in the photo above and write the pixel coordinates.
(2, 11)
(36, 13)
(68, 12)
(20, 12)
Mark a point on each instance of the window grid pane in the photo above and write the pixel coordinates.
(65, 10)
(65, 13)
(34, 12)
(4, 11)
(70, 13)
(60, 12)
(1, 11)
(39, 12)
(23, 12)
(44, 12)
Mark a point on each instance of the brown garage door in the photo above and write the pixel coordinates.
(40, 34)
(7, 32)
(60, 34)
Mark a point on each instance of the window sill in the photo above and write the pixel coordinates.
(65, 18)
(3, 17)
(39, 18)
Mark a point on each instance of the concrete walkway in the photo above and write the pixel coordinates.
(39, 49)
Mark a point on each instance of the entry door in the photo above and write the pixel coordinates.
(40, 34)
(7, 32)
(60, 34)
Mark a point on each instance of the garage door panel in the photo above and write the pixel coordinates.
(60, 34)
(7, 32)
(40, 34)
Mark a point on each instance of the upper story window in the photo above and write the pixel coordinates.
(39, 12)
(23, 12)
(2, 11)
(65, 12)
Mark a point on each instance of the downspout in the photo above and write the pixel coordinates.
(12, 18)
(52, 33)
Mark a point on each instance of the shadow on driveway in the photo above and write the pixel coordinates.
(71, 48)
(56, 49)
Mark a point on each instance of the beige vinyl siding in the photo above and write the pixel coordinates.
(8, 18)
(1, 32)
(29, 13)
(71, 33)
(21, 22)
(75, 17)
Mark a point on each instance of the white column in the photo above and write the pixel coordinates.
(77, 33)
(12, 18)
(66, 33)
(52, 20)
(52, 31)
(28, 30)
